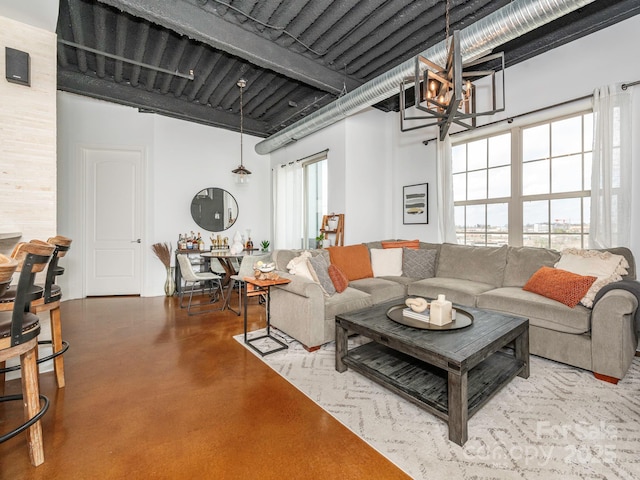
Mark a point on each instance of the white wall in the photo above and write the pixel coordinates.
(370, 160)
(38, 13)
(28, 147)
(565, 73)
(413, 163)
(182, 158)
(28, 138)
(369, 177)
(333, 139)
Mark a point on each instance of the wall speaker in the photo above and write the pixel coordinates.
(17, 66)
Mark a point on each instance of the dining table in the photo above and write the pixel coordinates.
(226, 260)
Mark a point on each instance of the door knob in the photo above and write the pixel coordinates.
(136, 241)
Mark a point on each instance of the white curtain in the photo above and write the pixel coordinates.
(288, 204)
(444, 204)
(611, 172)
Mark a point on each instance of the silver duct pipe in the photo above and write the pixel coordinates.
(511, 21)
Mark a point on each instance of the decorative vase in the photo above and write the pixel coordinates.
(237, 245)
(169, 283)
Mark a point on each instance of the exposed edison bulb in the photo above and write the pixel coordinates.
(242, 179)
(432, 85)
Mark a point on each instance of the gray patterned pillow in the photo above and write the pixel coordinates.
(319, 269)
(419, 263)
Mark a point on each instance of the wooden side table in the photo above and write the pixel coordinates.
(262, 286)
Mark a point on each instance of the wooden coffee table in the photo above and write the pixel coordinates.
(451, 374)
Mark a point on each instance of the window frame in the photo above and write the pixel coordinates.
(305, 195)
(516, 201)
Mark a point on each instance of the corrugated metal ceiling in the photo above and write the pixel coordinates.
(296, 55)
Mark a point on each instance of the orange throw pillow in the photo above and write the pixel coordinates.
(415, 244)
(353, 260)
(559, 285)
(339, 279)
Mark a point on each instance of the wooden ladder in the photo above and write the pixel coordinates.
(338, 232)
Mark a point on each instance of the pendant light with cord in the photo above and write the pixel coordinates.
(241, 173)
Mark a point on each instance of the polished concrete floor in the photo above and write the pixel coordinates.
(153, 393)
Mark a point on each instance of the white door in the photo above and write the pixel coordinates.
(113, 221)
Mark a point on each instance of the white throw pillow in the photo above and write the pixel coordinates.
(606, 266)
(386, 262)
(298, 266)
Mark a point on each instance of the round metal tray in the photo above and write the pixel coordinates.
(463, 319)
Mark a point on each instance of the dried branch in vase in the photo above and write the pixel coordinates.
(163, 252)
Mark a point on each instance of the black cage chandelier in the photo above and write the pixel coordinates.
(448, 93)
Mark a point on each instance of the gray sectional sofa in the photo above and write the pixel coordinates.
(602, 339)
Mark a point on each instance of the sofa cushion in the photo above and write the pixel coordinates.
(319, 269)
(380, 289)
(401, 280)
(418, 263)
(338, 278)
(541, 311)
(349, 300)
(282, 257)
(522, 262)
(298, 266)
(463, 292)
(626, 253)
(386, 261)
(479, 264)
(414, 244)
(353, 260)
(605, 266)
(560, 285)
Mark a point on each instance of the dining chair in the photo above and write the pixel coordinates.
(19, 330)
(245, 270)
(193, 278)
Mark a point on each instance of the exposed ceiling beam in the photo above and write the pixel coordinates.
(190, 19)
(168, 105)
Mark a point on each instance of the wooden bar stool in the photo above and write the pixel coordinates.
(7, 302)
(50, 302)
(19, 330)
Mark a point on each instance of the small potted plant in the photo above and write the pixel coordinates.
(322, 241)
(265, 245)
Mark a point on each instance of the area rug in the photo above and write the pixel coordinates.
(561, 423)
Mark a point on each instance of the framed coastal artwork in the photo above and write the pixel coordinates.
(415, 203)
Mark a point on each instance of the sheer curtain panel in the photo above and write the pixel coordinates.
(611, 171)
(288, 205)
(444, 191)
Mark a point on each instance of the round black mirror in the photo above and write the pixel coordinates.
(214, 209)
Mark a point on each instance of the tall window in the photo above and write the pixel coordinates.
(527, 186)
(482, 190)
(300, 199)
(315, 175)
